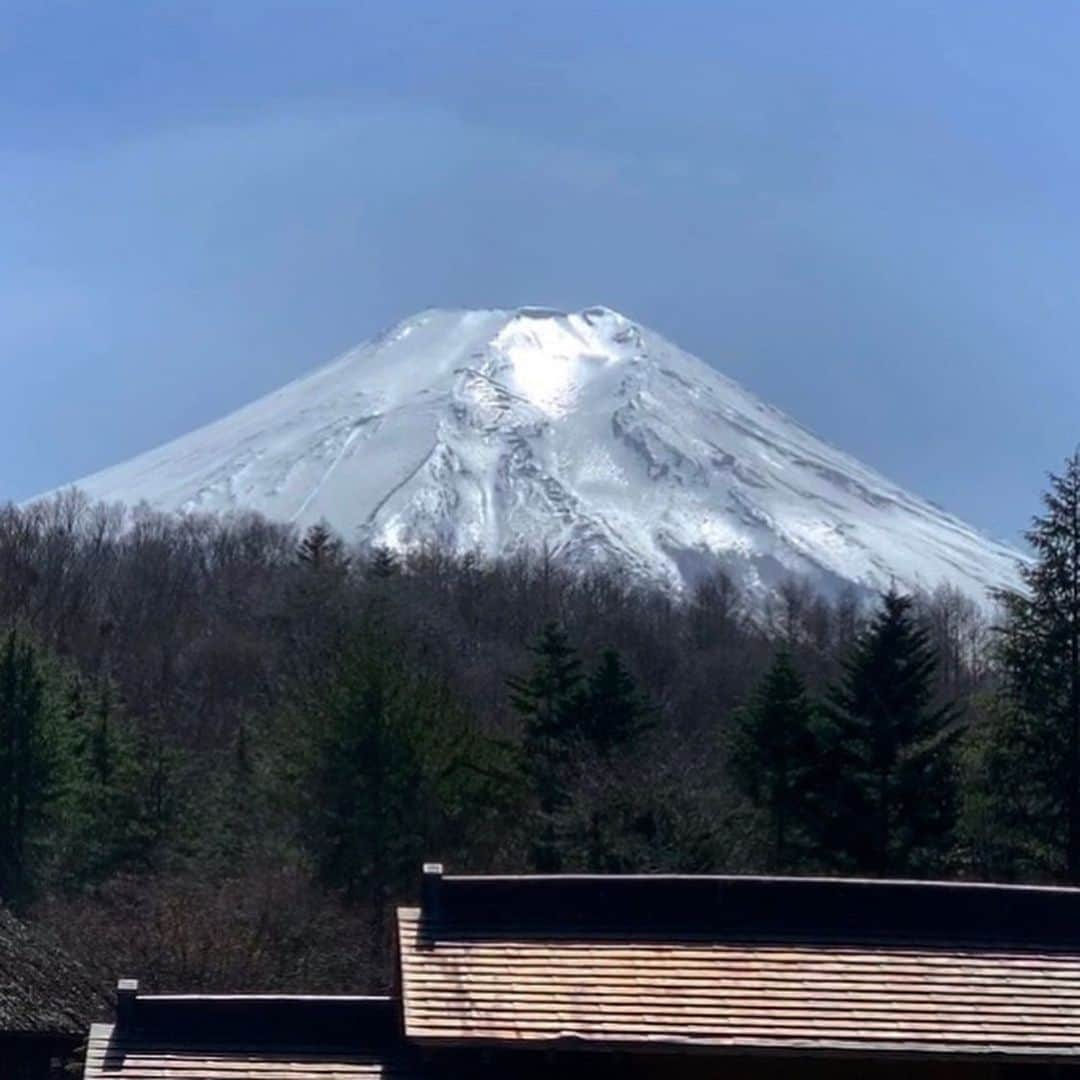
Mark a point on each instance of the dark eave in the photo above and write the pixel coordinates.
(260, 1019)
(754, 908)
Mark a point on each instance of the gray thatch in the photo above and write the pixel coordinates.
(43, 991)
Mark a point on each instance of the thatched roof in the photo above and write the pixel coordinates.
(43, 991)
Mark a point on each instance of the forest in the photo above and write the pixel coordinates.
(226, 747)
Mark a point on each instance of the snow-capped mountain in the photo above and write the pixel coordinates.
(584, 434)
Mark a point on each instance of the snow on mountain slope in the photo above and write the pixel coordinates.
(493, 431)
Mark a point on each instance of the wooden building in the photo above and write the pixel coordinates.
(695, 977)
(250, 1037)
(46, 1002)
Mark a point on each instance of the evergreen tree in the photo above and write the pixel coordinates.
(552, 701)
(1040, 652)
(27, 761)
(366, 778)
(167, 799)
(101, 820)
(551, 697)
(773, 759)
(320, 549)
(602, 818)
(242, 819)
(393, 773)
(573, 725)
(616, 714)
(1009, 825)
(885, 790)
(383, 564)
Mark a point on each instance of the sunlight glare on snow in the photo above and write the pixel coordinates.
(547, 361)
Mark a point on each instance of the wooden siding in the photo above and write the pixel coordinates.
(525, 987)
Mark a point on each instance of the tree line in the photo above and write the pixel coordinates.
(225, 748)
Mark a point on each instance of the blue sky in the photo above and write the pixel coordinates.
(867, 212)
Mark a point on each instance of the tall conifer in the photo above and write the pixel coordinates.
(26, 760)
(773, 758)
(616, 712)
(101, 820)
(550, 698)
(885, 790)
(320, 549)
(1040, 650)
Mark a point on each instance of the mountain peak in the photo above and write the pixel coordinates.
(589, 314)
(584, 433)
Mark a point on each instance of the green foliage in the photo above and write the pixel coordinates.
(574, 726)
(204, 716)
(616, 713)
(321, 550)
(102, 826)
(390, 768)
(384, 564)
(550, 698)
(636, 813)
(565, 712)
(244, 821)
(885, 786)
(773, 760)
(1040, 659)
(1008, 828)
(28, 763)
(366, 777)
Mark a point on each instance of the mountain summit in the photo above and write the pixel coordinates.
(583, 434)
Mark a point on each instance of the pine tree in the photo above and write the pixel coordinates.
(166, 798)
(552, 701)
(240, 818)
(616, 713)
(390, 774)
(773, 759)
(383, 564)
(320, 549)
(1009, 825)
(551, 698)
(367, 774)
(593, 816)
(27, 761)
(101, 825)
(885, 791)
(1040, 652)
(573, 725)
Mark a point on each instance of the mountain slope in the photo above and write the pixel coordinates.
(583, 433)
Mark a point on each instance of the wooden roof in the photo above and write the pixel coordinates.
(114, 1055)
(43, 991)
(744, 965)
(257, 1037)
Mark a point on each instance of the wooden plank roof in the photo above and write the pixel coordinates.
(850, 968)
(258, 1037)
(113, 1054)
